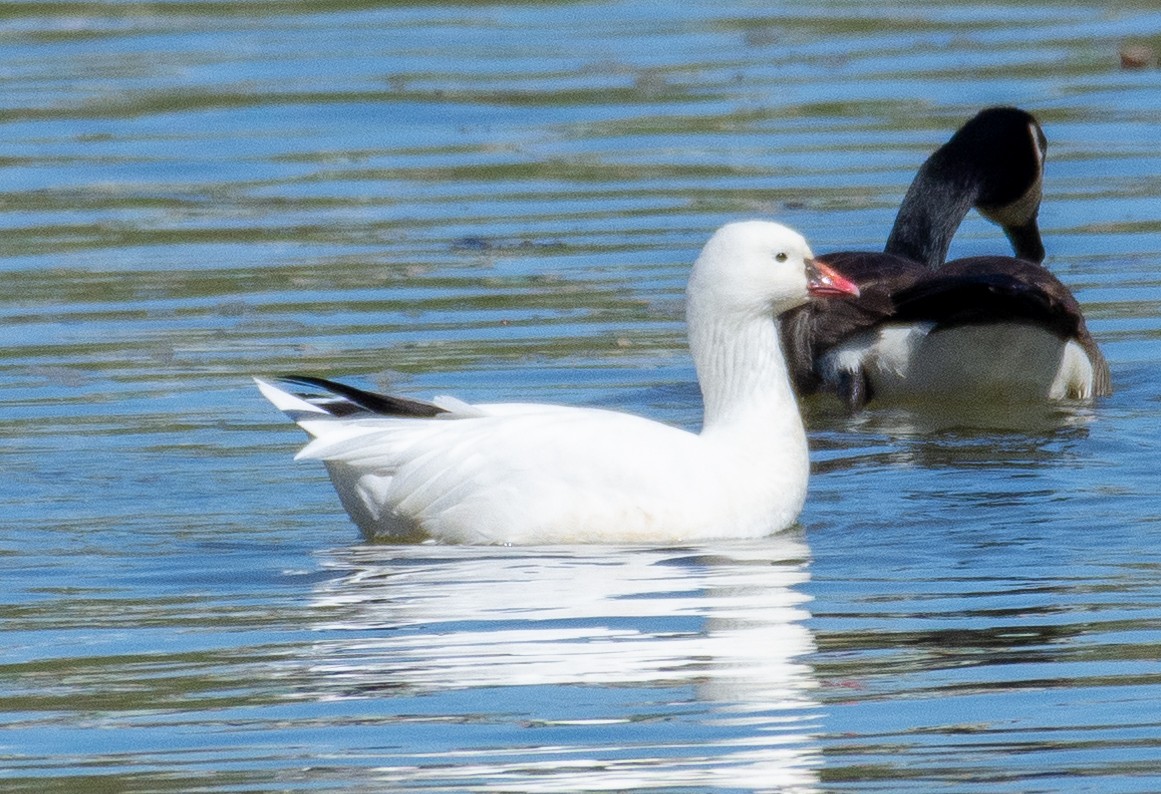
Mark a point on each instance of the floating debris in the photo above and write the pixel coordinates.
(1136, 55)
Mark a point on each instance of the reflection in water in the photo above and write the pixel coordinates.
(942, 416)
(712, 635)
(1015, 439)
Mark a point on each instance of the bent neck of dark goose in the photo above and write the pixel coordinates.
(936, 203)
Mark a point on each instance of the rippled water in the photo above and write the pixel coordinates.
(501, 202)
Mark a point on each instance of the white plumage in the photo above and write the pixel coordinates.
(527, 473)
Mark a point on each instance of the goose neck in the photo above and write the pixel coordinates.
(938, 199)
(743, 375)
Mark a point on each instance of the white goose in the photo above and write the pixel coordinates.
(521, 473)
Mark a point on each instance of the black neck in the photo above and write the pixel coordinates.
(937, 201)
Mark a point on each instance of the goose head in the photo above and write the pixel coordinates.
(1006, 147)
(759, 268)
(995, 163)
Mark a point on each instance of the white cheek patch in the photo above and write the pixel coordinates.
(1036, 144)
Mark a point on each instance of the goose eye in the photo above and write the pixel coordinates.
(780, 257)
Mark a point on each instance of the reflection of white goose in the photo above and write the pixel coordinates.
(723, 625)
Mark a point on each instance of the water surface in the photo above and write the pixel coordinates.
(501, 202)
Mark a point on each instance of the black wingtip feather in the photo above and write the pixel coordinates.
(382, 404)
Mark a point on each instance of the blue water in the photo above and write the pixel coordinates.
(502, 202)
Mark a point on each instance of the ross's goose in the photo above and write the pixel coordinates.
(524, 473)
(984, 329)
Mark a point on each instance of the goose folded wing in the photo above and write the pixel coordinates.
(985, 290)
